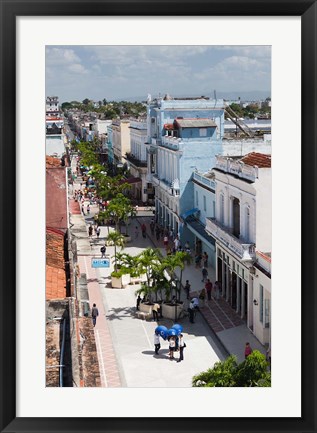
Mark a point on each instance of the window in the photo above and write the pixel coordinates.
(197, 198)
(267, 313)
(261, 304)
(205, 204)
(213, 209)
(202, 132)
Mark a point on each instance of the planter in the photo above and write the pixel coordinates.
(168, 311)
(145, 308)
(139, 279)
(127, 239)
(120, 283)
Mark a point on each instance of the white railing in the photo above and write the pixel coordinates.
(237, 168)
(172, 142)
(245, 251)
(204, 180)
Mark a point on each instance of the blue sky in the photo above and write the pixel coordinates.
(114, 72)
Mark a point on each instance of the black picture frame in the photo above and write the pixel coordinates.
(11, 9)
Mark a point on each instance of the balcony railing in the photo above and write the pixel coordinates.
(237, 168)
(204, 180)
(135, 161)
(245, 251)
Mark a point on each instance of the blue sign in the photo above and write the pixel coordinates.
(100, 263)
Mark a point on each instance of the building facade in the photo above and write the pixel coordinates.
(241, 227)
(183, 135)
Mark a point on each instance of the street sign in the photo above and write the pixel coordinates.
(100, 263)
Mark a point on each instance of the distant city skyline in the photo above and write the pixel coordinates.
(131, 72)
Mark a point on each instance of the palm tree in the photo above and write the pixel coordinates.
(149, 260)
(116, 239)
(174, 261)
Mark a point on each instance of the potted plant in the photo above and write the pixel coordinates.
(121, 278)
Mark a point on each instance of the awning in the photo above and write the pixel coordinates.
(189, 213)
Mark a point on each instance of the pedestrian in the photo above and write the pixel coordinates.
(157, 343)
(98, 232)
(138, 302)
(143, 229)
(208, 287)
(165, 241)
(157, 233)
(182, 346)
(103, 251)
(176, 243)
(94, 314)
(191, 310)
(247, 350)
(88, 209)
(202, 296)
(187, 289)
(136, 232)
(198, 260)
(155, 310)
(217, 289)
(204, 273)
(172, 345)
(83, 209)
(90, 230)
(205, 260)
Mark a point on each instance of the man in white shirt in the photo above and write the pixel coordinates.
(193, 304)
(157, 343)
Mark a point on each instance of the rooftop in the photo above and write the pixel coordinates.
(195, 123)
(259, 159)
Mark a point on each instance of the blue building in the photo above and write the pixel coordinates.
(184, 135)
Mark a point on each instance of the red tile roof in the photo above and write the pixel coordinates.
(52, 162)
(55, 265)
(259, 159)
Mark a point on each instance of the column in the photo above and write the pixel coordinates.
(223, 277)
(228, 283)
(238, 293)
(242, 296)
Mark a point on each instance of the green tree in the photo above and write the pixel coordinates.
(86, 101)
(252, 372)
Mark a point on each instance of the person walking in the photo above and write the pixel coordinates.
(157, 343)
(182, 346)
(90, 231)
(143, 229)
(187, 289)
(94, 314)
(204, 273)
(208, 287)
(205, 260)
(155, 310)
(103, 251)
(247, 350)
(88, 209)
(165, 241)
(83, 209)
(202, 297)
(98, 232)
(217, 290)
(138, 302)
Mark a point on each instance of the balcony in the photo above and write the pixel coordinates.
(237, 168)
(135, 161)
(165, 185)
(171, 142)
(245, 251)
(204, 180)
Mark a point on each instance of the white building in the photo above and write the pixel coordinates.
(52, 106)
(137, 159)
(120, 140)
(242, 226)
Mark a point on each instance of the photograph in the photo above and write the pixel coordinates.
(158, 216)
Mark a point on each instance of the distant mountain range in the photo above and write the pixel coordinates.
(256, 95)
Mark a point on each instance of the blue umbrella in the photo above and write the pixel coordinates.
(171, 332)
(178, 328)
(162, 331)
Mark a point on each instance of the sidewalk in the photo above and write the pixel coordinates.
(228, 327)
